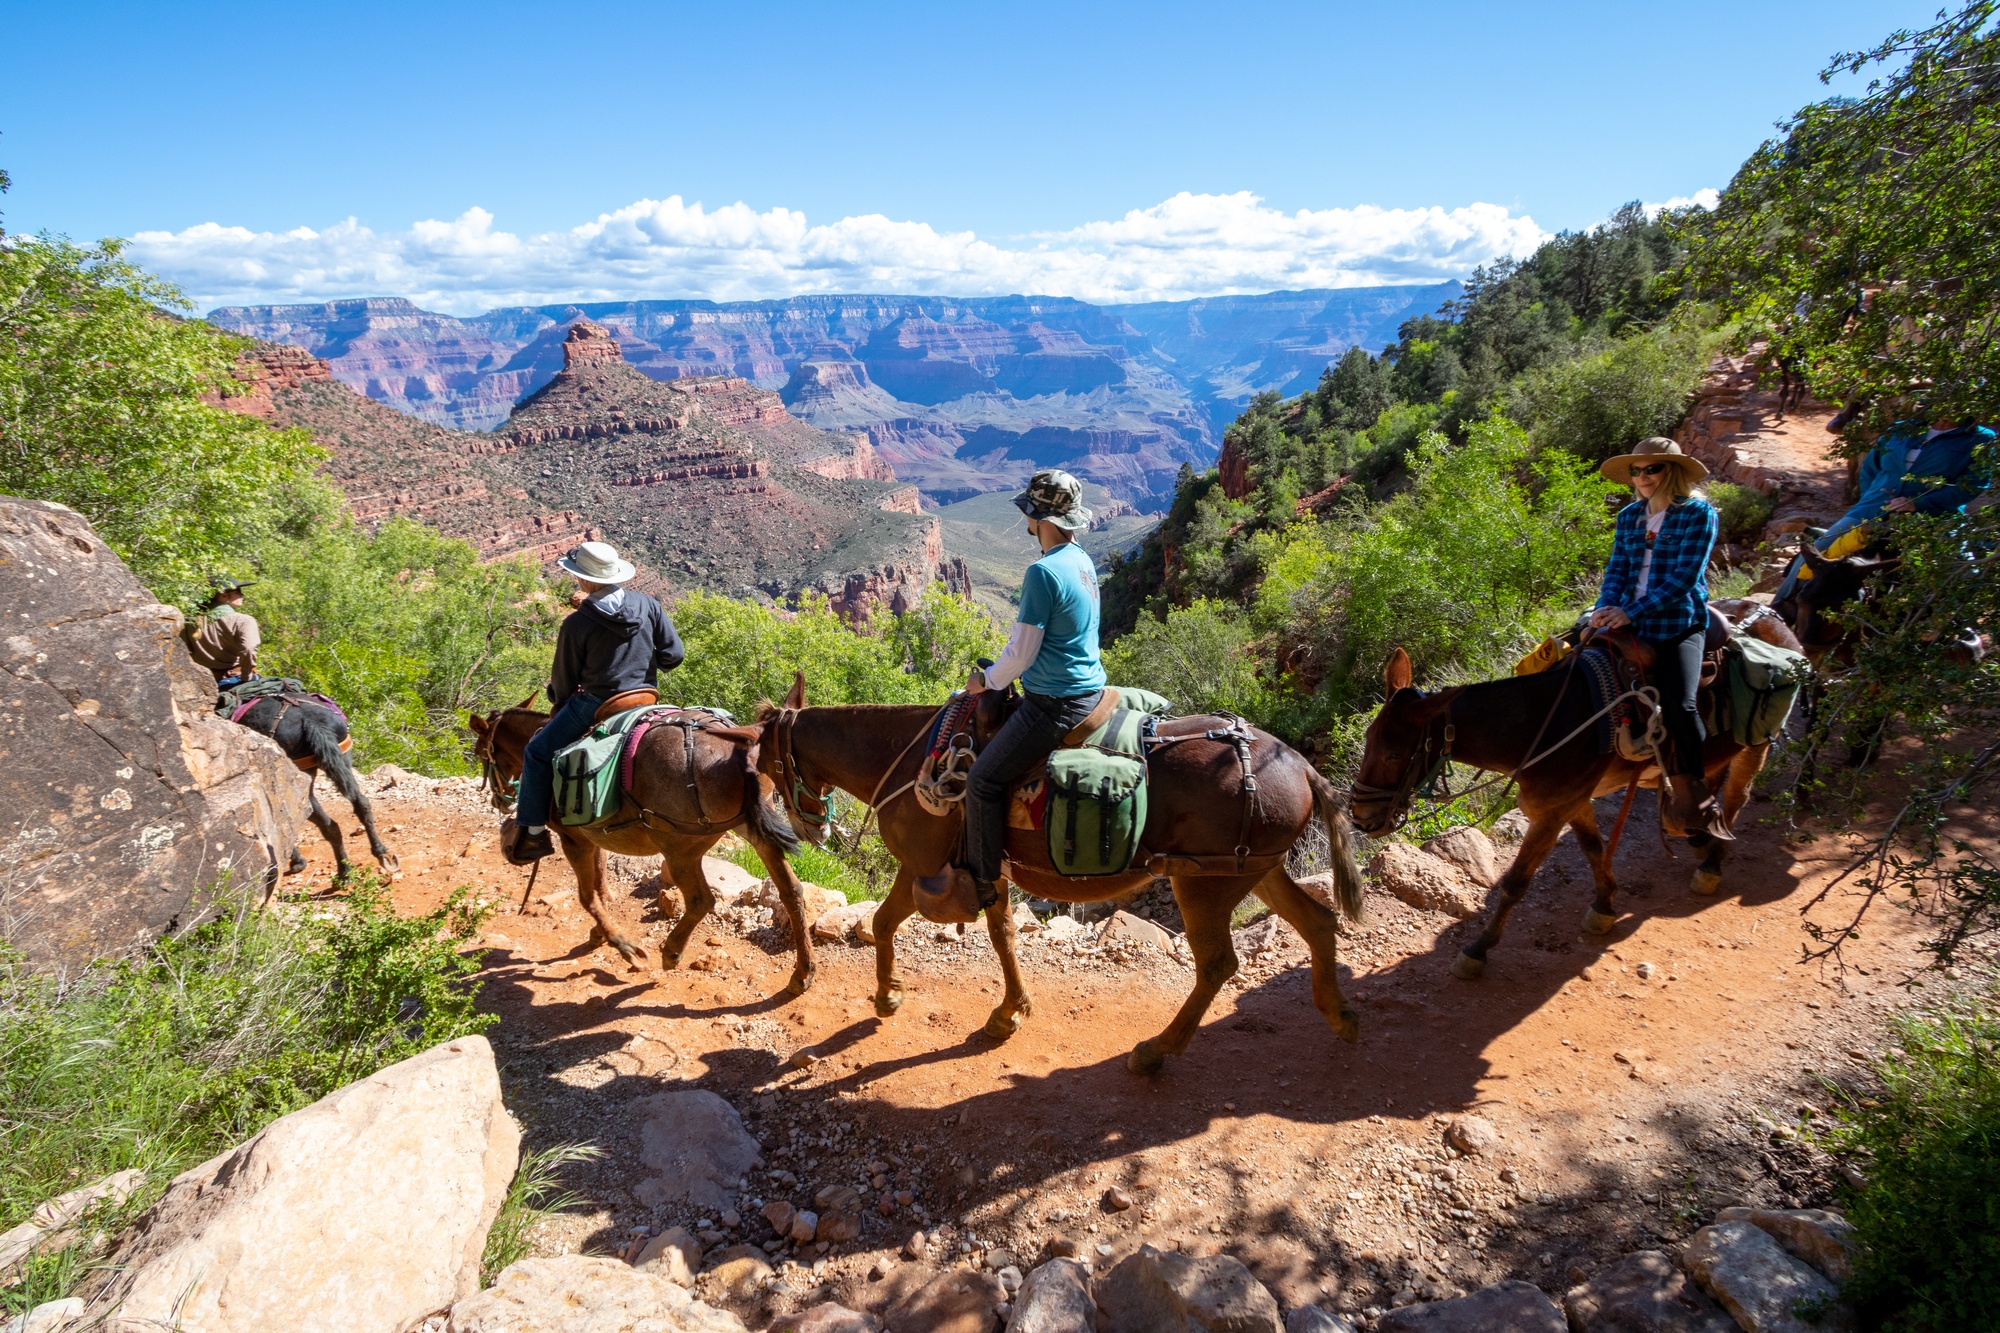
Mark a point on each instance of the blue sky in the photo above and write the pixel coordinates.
(597, 149)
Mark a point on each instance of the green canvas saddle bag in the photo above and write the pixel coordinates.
(591, 774)
(1096, 791)
(1759, 686)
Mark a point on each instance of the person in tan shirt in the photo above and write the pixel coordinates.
(225, 638)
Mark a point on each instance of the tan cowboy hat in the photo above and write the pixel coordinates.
(596, 562)
(1659, 449)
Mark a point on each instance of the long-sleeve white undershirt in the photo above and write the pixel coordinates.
(1022, 645)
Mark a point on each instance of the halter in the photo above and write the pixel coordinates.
(505, 794)
(1435, 749)
(791, 781)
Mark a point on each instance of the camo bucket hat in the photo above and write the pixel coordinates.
(1054, 496)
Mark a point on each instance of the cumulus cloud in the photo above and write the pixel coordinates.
(1190, 245)
(1708, 198)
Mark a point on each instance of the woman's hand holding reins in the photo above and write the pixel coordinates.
(1609, 617)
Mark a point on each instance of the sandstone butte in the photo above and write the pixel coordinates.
(706, 482)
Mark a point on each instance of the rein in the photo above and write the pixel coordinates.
(788, 762)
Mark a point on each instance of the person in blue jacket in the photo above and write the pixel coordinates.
(1656, 583)
(1916, 468)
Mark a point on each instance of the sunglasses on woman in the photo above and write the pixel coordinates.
(1651, 470)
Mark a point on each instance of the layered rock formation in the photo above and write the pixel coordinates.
(707, 482)
(126, 801)
(959, 396)
(1742, 428)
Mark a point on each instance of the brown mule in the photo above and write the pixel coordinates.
(1199, 814)
(672, 811)
(1492, 725)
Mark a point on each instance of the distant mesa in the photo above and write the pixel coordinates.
(705, 481)
(958, 396)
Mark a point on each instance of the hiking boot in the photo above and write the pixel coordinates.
(522, 848)
(951, 895)
(1693, 810)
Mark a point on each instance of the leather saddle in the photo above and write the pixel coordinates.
(1634, 660)
(643, 697)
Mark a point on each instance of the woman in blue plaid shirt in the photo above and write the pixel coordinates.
(1657, 583)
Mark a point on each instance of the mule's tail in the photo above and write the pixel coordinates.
(770, 822)
(322, 737)
(1340, 848)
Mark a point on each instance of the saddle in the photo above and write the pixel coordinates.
(1627, 662)
(290, 692)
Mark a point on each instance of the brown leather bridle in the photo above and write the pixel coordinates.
(791, 780)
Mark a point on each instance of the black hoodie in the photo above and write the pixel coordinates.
(603, 653)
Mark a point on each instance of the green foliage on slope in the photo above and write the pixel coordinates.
(101, 410)
(208, 1035)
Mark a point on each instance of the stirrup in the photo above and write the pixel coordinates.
(1715, 823)
(522, 848)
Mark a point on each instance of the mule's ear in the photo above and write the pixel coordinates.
(1813, 559)
(528, 702)
(796, 696)
(477, 723)
(1397, 675)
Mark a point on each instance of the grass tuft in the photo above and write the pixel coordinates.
(535, 1194)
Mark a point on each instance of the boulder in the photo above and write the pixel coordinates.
(697, 1143)
(1055, 1298)
(1510, 828)
(779, 1213)
(826, 1317)
(729, 881)
(1643, 1293)
(837, 923)
(1025, 920)
(963, 1300)
(738, 1273)
(585, 1293)
(1152, 1291)
(1471, 851)
(127, 801)
(1320, 886)
(818, 902)
(365, 1211)
(1819, 1236)
(1063, 927)
(1315, 1319)
(674, 1254)
(1744, 1268)
(1123, 925)
(805, 1225)
(52, 1216)
(838, 1228)
(48, 1317)
(1472, 1135)
(1425, 881)
(1518, 1307)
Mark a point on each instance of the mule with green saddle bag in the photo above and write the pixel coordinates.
(1096, 790)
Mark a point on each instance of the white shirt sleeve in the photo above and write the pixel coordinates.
(1022, 645)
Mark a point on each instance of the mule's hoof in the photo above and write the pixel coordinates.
(1598, 923)
(1146, 1058)
(888, 1002)
(669, 961)
(800, 983)
(1705, 882)
(1001, 1025)
(388, 861)
(1467, 968)
(1347, 1026)
(298, 865)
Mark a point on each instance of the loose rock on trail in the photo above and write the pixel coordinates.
(1589, 1098)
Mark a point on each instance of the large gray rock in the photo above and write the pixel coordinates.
(1517, 1307)
(1819, 1236)
(697, 1143)
(124, 799)
(1643, 1293)
(1758, 1283)
(1425, 881)
(674, 1254)
(52, 1217)
(362, 1213)
(1471, 851)
(583, 1293)
(1316, 1319)
(1152, 1291)
(1055, 1298)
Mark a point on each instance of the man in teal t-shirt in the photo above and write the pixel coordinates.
(1052, 651)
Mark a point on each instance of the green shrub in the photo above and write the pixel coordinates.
(1742, 511)
(162, 1061)
(1199, 657)
(1927, 1146)
(827, 866)
(1598, 405)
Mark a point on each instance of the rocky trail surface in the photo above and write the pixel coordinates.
(1588, 1098)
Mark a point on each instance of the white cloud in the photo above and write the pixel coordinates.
(1190, 245)
(1708, 198)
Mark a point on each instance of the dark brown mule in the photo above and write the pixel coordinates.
(1492, 725)
(1196, 818)
(671, 811)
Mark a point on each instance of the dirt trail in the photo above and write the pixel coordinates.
(1629, 1107)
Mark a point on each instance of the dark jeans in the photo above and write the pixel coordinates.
(1677, 676)
(1028, 738)
(538, 775)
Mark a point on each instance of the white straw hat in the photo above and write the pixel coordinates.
(597, 562)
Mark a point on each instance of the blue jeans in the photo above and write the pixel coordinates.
(1028, 738)
(570, 723)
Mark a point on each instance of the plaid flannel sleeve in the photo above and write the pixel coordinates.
(1619, 571)
(1680, 562)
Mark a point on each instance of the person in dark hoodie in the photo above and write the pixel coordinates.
(617, 639)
